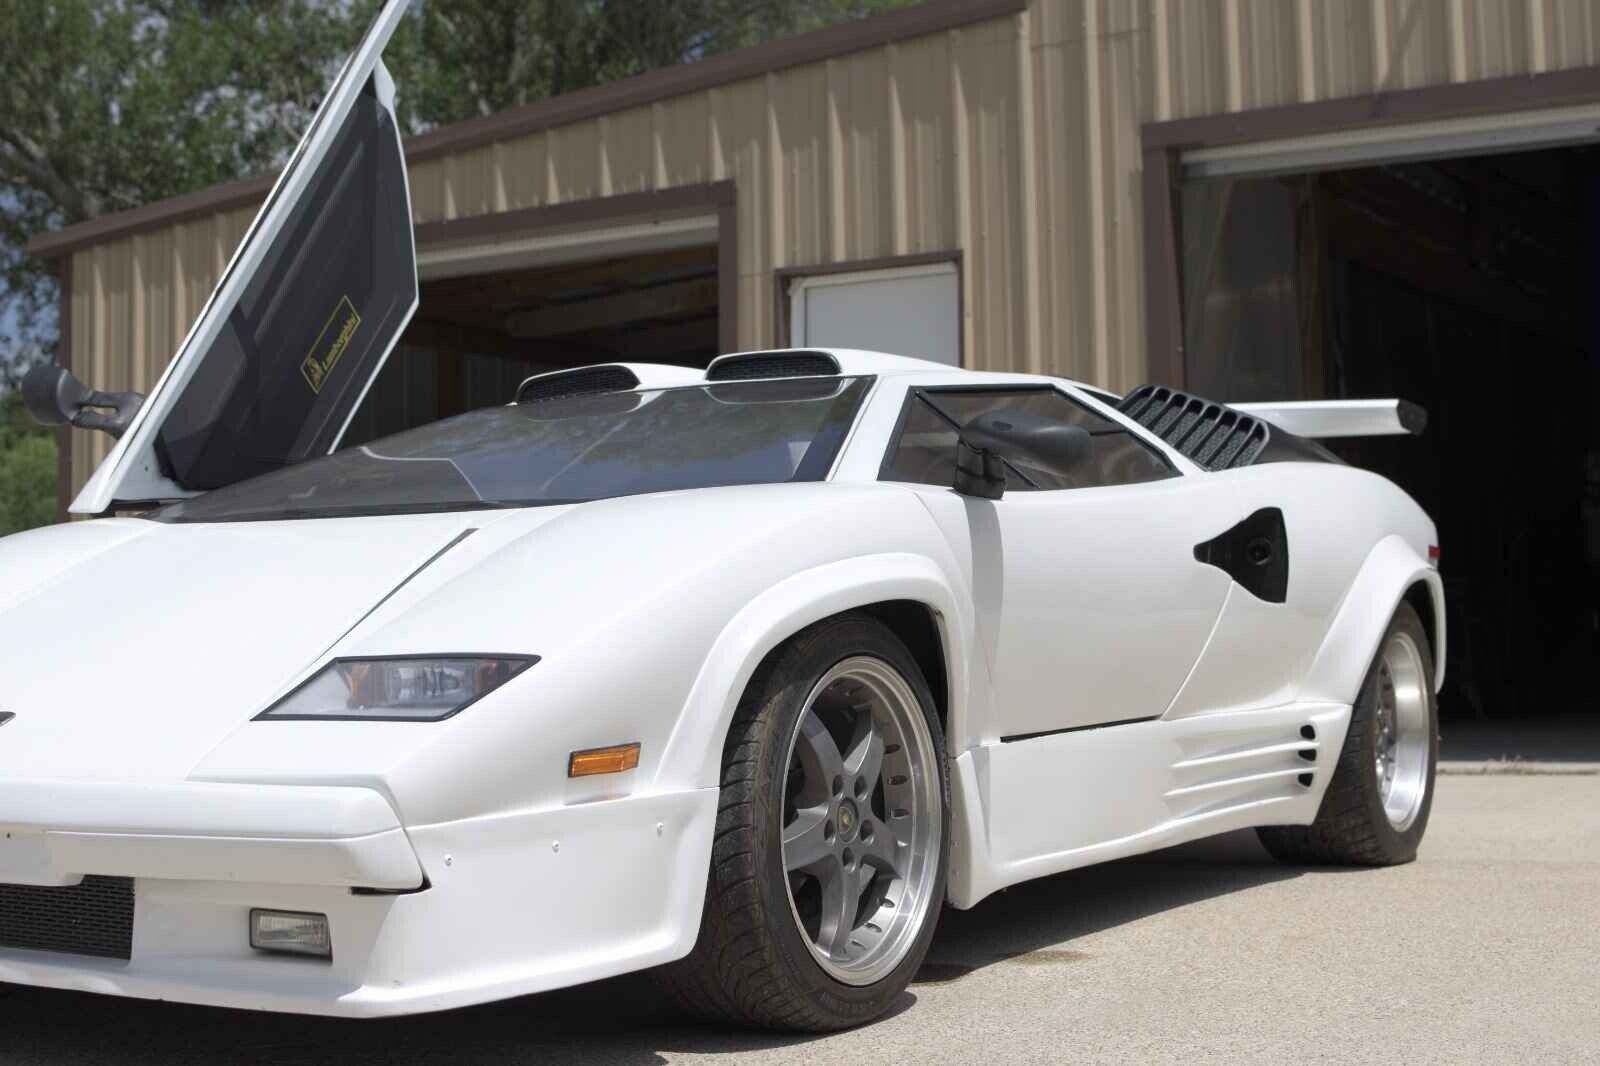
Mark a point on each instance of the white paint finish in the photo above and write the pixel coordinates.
(1136, 788)
(1331, 418)
(181, 633)
(1089, 602)
(620, 893)
(908, 309)
(132, 471)
(651, 613)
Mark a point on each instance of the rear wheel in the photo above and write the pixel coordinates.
(828, 870)
(1377, 805)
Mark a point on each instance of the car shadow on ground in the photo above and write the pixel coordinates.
(622, 1020)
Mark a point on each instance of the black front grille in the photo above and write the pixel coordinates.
(1214, 436)
(761, 365)
(93, 918)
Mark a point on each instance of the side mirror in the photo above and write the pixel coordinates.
(1043, 441)
(55, 398)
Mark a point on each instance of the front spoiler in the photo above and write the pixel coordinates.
(58, 832)
(516, 903)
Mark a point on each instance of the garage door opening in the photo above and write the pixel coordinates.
(476, 336)
(1468, 285)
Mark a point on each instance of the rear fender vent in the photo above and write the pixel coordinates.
(94, 918)
(583, 381)
(1213, 436)
(749, 366)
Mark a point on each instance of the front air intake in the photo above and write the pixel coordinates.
(94, 918)
(752, 366)
(1214, 436)
(583, 381)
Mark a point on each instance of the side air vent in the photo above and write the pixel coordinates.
(759, 365)
(583, 381)
(1214, 436)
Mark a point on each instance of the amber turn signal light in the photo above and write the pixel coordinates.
(612, 760)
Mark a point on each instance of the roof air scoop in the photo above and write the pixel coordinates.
(603, 378)
(55, 398)
(748, 366)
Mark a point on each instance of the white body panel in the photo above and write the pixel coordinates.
(134, 750)
(1332, 418)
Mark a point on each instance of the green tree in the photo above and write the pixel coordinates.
(109, 104)
(27, 471)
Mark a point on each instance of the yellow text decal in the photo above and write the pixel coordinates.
(331, 344)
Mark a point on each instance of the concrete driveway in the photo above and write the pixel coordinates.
(1485, 950)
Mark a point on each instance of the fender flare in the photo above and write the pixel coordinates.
(1387, 574)
(693, 757)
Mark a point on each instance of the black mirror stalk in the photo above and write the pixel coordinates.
(55, 398)
(1043, 442)
(980, 473)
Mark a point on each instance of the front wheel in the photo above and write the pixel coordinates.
(828, 870)
(1377, 805)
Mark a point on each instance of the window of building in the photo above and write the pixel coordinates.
(909, 310)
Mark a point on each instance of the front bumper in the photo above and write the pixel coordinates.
(507, 905)
(56, 832)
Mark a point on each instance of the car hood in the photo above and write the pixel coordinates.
(130, 648)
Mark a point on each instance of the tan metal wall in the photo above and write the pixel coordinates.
(1014, 140)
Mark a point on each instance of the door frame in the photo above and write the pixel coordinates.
(1164, 143)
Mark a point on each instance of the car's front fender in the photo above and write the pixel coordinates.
(693, 758)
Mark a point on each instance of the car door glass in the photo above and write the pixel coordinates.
(924, 451)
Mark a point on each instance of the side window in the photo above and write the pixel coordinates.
(924, 451)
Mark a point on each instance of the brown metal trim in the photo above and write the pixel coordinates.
(829, 43)
(1496, 95)
(1162, 269)
(783, 275)
(678, 200)
(860, 35)
(719, 196)
(64, 359)
(728, 277)
(160, 214)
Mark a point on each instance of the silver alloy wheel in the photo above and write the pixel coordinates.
(1401, 723)
(863, 822)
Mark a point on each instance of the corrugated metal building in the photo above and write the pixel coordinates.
(1106, 189)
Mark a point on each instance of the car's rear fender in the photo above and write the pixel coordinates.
(1389, 572)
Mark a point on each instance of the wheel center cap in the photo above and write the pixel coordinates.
(849, 819)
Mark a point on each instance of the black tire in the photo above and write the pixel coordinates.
(1351, 828)
(750, 965)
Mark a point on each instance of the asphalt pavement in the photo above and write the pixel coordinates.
(1487, 949)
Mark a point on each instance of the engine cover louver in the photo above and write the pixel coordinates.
(763, 365)
(1214, 436)
(583, 381)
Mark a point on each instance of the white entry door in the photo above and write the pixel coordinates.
(914, 310)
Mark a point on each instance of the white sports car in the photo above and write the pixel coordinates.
(743, 673)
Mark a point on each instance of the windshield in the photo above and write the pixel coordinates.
(563, 450)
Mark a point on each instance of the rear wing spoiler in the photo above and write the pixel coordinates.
(1341, 418)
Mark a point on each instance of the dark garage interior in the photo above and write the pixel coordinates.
(476, 337)
(1467, 285)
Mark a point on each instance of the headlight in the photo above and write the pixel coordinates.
(397, 690)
